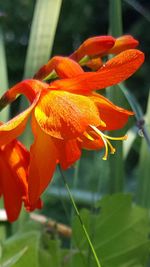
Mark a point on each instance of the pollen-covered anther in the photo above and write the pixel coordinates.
(106, 141)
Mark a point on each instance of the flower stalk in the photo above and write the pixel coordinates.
(80, 219)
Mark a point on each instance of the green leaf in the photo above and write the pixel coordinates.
(115, 17)
(139, 8)
(143, 186)
(116, 162)
(3, 75)
(42, 35)
(44, 258)
(50, 252)
(10, 262)
(18, 243)
(119, 232)
(138, 115)
(41, 40)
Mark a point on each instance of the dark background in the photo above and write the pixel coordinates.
(78, 20)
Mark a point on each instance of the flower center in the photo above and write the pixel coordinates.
(105, 138)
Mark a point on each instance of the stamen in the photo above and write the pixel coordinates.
(107, 142)
(124, 137)
(88, 136)
(112, 149)
(103, 124)
(106, 148)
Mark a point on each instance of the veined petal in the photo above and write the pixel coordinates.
(123, 43)
(29, 88)
(63, 66)
(13, 176)
(114, 116)
(68, 152)
(93, 46)
(114, 71)
(64, 115)
(13, 128)
(12, 196)
(17, 157)
(68, 68)
(16, 126)
(42, 163)
(20, 155)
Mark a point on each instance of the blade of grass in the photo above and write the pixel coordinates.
(80, 219)
(140, 123)
(4, 114)
(139, 8)
(115, 17)
(116, 161)
(3, 75)
(42, 35)
(143, 185)
(41, 40)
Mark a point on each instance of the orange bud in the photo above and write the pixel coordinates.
(123, 43)
(93, 46)
(94, 63)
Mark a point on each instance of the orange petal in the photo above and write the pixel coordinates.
(93, 46)
(123, 43)
(11, 194)
(65, 115)
(23, 152)
(13, 178)
(37, 205)
(29, 88)
(68, 152)
(114, 71)
(64, 67)
(15, 127)
(68, 68)
(22, 155)
(17, 157)
(42, 163)
(93, 143)
(114, 116)
(94, 63)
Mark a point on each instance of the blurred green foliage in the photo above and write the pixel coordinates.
(119, 232)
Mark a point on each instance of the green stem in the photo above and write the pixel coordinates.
(138, 113)
(115, 17)
(116, 162)
(80, 219)
(75, 180)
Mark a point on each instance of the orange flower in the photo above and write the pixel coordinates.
(68, 116)
(14, 161)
